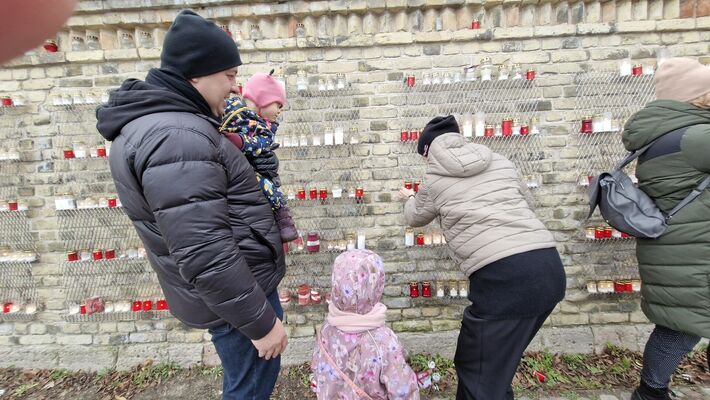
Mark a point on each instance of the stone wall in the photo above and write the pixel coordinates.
(375, 44)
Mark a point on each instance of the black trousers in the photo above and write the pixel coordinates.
(488, 354)
(510, 300)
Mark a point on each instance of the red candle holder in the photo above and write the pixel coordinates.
(475, 24)
(407, 185)
(618, 287)
(637, 70)
(530, 75)
(313, 242)
(599, 233)
(420, 239)
(404, 135)
(313, 194)
(411, 80)
(72, 256)
(323, 193)
(304, 294)
(6, 102)
(413, 289)
(301, 194)
(315, 296)
(628, 286)
(110, 254)
(507, 127)
(50, 46)
(415, 187)
(608, 232)
(413, 135)
(586, 125)
(284, 296)
(6, 308)
(359, 192)
(12, 205)
(147, 305)
(112, 203)
(524, 130)
(137, 306)
(82, 309)
(97, 255)
(489, 131)
(101, 151)
(426, 289)
(625, 235)
(162, 305)
(69, 152)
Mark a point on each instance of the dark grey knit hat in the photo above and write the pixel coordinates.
(196, 47)
(435, 128)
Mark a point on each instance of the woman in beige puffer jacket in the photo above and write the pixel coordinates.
(515, 274)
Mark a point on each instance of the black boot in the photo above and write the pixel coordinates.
(287, 228)
(645, 392)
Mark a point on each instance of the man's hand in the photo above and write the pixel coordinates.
(274, 343)
(405, 194)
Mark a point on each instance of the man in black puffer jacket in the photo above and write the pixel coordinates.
(208, 230)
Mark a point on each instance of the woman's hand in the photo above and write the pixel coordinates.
(405, 193)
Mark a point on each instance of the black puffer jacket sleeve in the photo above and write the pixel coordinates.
(185, 185)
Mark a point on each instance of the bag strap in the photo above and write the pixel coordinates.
(358, 391)
(692, 196)
(674, 135)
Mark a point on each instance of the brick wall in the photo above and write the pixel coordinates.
(375, 44)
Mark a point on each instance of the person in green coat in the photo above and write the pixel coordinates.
(674, 268)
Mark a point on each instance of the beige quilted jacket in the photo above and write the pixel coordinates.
(483, 205)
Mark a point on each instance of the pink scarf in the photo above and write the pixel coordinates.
(356, 323)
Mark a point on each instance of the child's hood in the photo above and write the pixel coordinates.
(358, 281)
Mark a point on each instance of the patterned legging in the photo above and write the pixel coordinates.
(664, 351)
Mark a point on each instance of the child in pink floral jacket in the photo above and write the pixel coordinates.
(356, 356)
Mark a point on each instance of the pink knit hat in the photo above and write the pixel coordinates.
(263, 89)
(682, 79)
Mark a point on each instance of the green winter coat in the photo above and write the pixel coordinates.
(675, 268)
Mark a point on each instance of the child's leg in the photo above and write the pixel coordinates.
(282, 214)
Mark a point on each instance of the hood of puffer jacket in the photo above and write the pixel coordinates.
(658, 118)
(134, 99)
(451, 155)
(358, 281)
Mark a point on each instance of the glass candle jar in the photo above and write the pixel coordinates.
(410, 80)
(592, 287)
(284, 296)
(503, 73)
(469, 73)
(330, 84)
(475, 24)
(313, 194)
(436, 238)
(427, 239)
(426, 80)
(301, 194)
(530, 75)
(340, 81)
(300, 30)
(302, 81)
(440, 293)
(486, 69)
(420, 239)
(404, 135)
(463, 289)
(489, 131)
(323, 193)
(315, 296)
(435, 79)
(413, 135)
(426, 289)
(328, 136)
(453, 289)
(337, 191)
(516, 71)
(413, 289)
(468, 125)
(516, 127)
(313, 242)
(361, 240)
(524, 129)
(321, 85)
(625, 67)
(304, 294)
(637, 70)
(338, 135)
(507, 127)
(351, 242)
(409, 237)
(587, 125)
